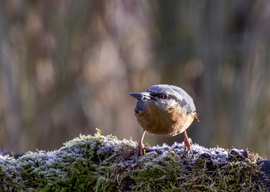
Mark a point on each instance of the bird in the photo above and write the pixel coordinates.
(164, 110)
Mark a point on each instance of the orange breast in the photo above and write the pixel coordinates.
(160, 122)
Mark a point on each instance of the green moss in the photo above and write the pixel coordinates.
(173, 175)
(104, 163)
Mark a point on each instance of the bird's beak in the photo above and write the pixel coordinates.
(141, 96)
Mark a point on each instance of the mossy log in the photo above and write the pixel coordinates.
(104, 163)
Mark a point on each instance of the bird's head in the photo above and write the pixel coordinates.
(166, 97)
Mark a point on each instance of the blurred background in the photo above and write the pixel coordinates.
(67, 67)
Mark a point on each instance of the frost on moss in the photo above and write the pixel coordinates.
(104, 163)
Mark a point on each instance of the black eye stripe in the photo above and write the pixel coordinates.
(183, 103)
(163, 95)
(160, 95)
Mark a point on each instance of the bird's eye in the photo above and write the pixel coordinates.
(165, 96)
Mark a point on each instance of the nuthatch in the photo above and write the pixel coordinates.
(164, 110)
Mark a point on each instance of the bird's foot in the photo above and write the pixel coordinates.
(139, 151)
(140, 148)
(187, 143)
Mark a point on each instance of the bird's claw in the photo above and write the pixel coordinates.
(187, 144)
(139, 150)
(187, 141)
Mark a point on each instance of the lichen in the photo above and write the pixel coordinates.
(104, 163)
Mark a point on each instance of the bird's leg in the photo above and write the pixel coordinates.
(140, 146)
(186, 141)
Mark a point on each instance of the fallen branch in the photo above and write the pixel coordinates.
(104, 163)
